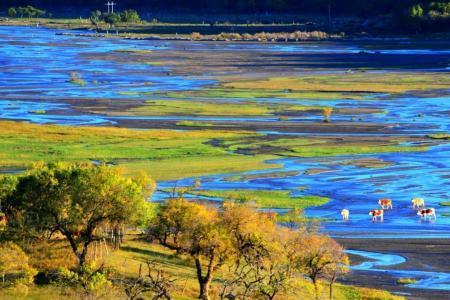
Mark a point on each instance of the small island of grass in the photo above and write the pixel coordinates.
(266, 198)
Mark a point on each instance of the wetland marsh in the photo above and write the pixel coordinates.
(246, 119)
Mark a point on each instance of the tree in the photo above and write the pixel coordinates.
(130, 16)
(73, 200)
(156, 283)
(14, 263)
(112, 19)
(416, 11)
(96, 18)
(260, 267)
(195, 230)
(12, 12)
(326, 112)
(320, 256)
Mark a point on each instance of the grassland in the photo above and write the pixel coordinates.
(229, 91)
(353, 86)
(312, 147)
(135, 252)
(358, 83)
(213, 108)
(166, 154)
(265, 198)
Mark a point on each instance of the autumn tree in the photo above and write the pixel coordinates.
(74, 201)
(195, 230)
(260, 267)
(319, 256)
(326, 112)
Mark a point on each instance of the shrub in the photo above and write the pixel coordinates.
(130, 16)
(196, 36)
(76, 79)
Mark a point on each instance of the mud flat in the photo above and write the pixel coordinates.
(420, 254)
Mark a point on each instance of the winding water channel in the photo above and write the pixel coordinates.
(35, 64)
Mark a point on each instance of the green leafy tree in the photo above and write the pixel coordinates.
(112, 19)
(73, 200)
(12, 12)
(130, 16)
(96, 18)
(416, 11)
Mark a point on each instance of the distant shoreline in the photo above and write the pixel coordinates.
(169, 32)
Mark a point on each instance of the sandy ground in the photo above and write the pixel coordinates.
(423, 254)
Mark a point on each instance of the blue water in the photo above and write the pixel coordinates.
(379, 262)
(37, 62)
(35, 69)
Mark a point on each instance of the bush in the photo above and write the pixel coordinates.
(76, 79)
(130, 16)
(196, 36)
(14, 268)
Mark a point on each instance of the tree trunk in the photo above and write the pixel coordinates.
(204, 291)
(316, 288)
(204, 281)
(331, 287)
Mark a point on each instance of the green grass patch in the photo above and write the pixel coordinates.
(213, 108)
(406, 280)
(360, 83)
(224, 92)
(315, 147)
(265, 198)
(166, 154)
(39, 111)
(439, 136)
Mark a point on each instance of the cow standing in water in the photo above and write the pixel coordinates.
(377, 213)
(385, 203)
(427, 213)
(418, 203)
(345, 213)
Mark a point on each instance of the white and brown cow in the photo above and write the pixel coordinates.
(377, 213)
(418, 203)
(345, 213)
(385, 203)
(427, 213)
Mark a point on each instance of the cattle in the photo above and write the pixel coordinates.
(377, 213)
(418, 202)
(345, 213)
(427, 213)
(385, 203)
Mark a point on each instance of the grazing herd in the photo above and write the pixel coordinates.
(378, 214)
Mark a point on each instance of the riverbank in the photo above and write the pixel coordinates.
(421, 254)
(218, 32)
